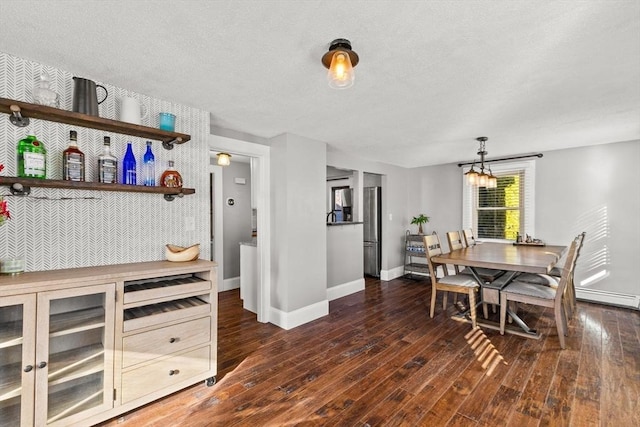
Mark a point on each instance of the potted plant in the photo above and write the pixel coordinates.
(420, 219)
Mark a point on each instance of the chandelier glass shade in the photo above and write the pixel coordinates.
(481, 178)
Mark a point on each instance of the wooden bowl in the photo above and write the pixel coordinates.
(181, 254)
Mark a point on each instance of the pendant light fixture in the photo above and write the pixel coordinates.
(481, 179)
(340, 60)
(224, 159)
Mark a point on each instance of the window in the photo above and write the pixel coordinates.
(503, 212)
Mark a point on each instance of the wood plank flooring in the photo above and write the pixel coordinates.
(378, 360)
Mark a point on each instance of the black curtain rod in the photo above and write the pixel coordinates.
(503, 159)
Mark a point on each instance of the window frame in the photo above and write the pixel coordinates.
(527, 199)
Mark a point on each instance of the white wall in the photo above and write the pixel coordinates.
(236, 218)
(438, 195)
(299, 259)
(593, 189)
(395, 212)
(115, 227)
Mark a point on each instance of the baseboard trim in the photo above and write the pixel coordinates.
(289, 320)
(391, 274)
(345, 289)
(228, 284)
(607, 297)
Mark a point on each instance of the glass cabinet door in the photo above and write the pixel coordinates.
(17, 351)
(74, 357)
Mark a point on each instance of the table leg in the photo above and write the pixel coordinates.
(495, 299)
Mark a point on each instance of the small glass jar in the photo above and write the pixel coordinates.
(42, 93)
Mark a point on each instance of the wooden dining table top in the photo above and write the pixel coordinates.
(505, 256)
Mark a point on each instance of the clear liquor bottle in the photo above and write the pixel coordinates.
(149, 167)
(171, 177)
(107, 164)
(73, 160)
(32, 161)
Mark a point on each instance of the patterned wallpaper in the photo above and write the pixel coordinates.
(115, 227)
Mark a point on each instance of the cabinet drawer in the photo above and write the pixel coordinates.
(136, 292)
(160, 342)
(156, 314)
(165, 373)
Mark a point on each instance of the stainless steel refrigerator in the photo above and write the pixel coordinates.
(372, 218)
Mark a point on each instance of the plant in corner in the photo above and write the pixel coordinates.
(420, 219)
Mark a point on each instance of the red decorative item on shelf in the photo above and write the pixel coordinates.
(4, 210)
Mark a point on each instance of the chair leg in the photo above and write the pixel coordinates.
(503, 311)
(444, 300)
(560, 325)
(485, 310)
(571, 297)
(472, 307)
(432, 309)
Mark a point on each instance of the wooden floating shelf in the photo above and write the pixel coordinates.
(94, 122)
(98, 186)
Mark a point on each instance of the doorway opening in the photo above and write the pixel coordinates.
(256, 229)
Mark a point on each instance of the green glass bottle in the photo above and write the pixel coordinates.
(32, 158)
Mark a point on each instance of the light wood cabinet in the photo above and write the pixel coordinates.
(59, 369)
(79, 346)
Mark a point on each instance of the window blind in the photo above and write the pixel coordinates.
(501, 213)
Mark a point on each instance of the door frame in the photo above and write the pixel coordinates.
(262, 186)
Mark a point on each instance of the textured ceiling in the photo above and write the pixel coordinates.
(433, 75)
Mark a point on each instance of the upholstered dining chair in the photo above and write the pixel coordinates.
(545, 296)
(571, 286)
(456, 241)
(556, 273)
(469, 238)
(458, 283)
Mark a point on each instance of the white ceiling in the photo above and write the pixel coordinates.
(433, 75)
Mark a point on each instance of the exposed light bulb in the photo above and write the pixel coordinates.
(340, 73)
(224, 159)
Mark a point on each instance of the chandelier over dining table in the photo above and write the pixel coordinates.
(481, 178)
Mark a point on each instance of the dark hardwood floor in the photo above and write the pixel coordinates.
(378, 360)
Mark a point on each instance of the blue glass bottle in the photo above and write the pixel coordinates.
(129, 166)
(149, 167)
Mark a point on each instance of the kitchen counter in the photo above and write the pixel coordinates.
(345, 266)
(344, 223)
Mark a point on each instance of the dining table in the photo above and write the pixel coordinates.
(512, 258)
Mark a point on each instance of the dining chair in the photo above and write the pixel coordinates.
(571, 287)
(458, 283)
(456, 241)
(556, 273)
(544, 296)
(469, 238)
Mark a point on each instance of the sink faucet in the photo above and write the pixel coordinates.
(331, 214)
